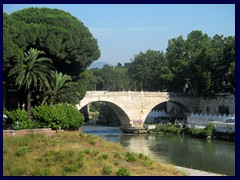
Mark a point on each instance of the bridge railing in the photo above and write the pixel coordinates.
(146, 93)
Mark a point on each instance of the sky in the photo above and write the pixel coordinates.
(124, 30)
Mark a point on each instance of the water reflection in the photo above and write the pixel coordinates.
(215, 156)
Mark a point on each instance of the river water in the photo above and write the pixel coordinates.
(213, 156)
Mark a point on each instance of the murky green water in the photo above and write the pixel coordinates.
(214, 156)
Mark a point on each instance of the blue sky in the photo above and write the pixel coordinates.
(124, 30)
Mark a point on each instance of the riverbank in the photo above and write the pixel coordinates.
(195, 172)
(207, 133)
(76, 154)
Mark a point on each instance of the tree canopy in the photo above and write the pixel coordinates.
(198, 64)
(61, 36)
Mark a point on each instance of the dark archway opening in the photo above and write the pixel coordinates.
(167, 112)
(104, 113)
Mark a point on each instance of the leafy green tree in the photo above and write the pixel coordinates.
(148, 71)
(61, 89)
(177, 57)
(31, 72)
(200, 68)
(61, 36)
(94, 79)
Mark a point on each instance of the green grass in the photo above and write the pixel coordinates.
(74, 154)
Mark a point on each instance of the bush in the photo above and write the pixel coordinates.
(209, 129)
(18, 119)
(73, 119)
(58, 116)
(107, 170)
(168, 128)
(199, 133)
(48, 116)
(131, 157)
(123, 172)
(62, 115)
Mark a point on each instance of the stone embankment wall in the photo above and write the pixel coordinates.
(47, 131)
(218, 104)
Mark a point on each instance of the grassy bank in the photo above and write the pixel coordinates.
(75, 154)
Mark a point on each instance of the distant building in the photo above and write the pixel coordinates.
(221, 123)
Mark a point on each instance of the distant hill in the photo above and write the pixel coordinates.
(98, 64)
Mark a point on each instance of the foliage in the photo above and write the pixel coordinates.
(108, 78)
(199, 64)
(62, 37)
(61, 89)
(49, 116)
(123, 172)
(168, 128)
(94, 106)
(31, 72)
(18, 119)
(131, 157)
(148, 70)
(209, 130)
(62, 115)
(74, 119)
(107, 170)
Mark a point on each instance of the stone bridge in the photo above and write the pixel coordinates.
(135, 105)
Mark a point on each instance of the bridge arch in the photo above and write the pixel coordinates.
(180, 105)
(122, 115)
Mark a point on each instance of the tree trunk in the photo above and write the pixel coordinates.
(29, 95)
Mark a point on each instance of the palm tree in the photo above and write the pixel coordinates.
(31, 72)
(61, 89)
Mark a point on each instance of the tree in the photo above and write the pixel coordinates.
(61, 89)
(148, 70)
(61, 36)
(205, 65)
(31, 72)
(177, 57)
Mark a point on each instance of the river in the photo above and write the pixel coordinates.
(214, 156)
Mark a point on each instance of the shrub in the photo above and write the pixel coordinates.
(131, 157)
(123, 172)
(73, 119)
(107, 170)
(199, 133)
(116, 163)
(117, 155)
(168, 128)
(48, 116)
(103, 156)
(209, 129)
(22, 151)
(147, 163)
(62, 115)
(18, 119)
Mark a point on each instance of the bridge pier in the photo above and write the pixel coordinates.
(138, 130)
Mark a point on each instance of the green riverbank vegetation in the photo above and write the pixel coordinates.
(60, 116)
(75, 154)
(208, 132)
